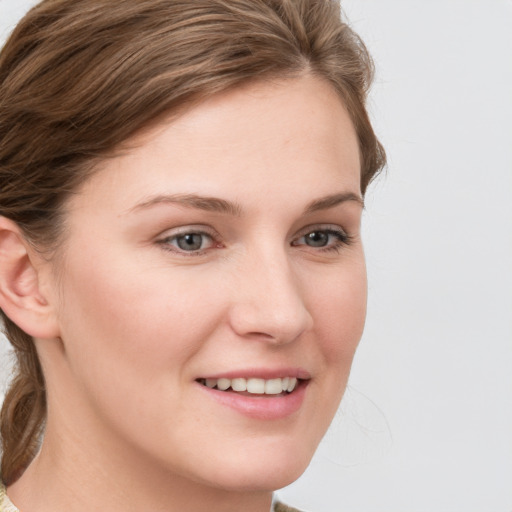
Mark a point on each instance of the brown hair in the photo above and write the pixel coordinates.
(79, 77)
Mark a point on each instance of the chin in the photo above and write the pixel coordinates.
(271, 479)
(263, 471)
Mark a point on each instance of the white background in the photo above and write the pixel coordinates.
(426, 424)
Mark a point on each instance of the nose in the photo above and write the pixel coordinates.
(269, 300)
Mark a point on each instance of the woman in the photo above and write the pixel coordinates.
(182, 276)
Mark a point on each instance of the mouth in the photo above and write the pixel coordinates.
(261, 394)
(253, 387)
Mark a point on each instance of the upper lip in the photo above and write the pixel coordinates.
(261, 373)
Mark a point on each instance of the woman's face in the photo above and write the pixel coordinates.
(222, 250)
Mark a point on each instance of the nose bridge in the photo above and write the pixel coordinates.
(270, 301)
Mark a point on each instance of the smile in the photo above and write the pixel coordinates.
(253, 386)
(255, 397)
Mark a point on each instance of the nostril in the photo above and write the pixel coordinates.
(256, 334)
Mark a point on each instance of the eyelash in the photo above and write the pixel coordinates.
(343, 239)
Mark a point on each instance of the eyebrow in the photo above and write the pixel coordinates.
(209, 204)
(333, 200)
(217, 205)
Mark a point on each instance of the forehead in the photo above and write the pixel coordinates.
(280, 136)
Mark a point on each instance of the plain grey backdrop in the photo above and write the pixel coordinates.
(426, 424)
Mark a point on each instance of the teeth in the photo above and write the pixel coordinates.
(273, 387)
(239, 384)
(211, 383)
(223, 384)
(291, 385)
(255, 386)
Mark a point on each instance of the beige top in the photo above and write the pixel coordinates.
(6, 504)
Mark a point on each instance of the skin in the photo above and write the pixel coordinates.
(135, 320)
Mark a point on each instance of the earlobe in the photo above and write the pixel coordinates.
(21, 297)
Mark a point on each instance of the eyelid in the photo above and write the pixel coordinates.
(321, 227)
(184, 230)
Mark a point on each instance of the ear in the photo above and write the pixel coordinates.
(21, 295)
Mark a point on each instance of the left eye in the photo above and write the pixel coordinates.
(317, 239)
(323, 238)
(190, 242)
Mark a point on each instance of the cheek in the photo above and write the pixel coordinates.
(338, 306)
(130, 335)
(340, 312)
(134, 320)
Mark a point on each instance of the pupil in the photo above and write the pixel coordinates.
(191, 242)
(317, 239)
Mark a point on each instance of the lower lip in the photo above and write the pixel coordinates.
(261, 407)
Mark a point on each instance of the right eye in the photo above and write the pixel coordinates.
(190, 242)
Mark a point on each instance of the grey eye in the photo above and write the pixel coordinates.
(324, 239)
(190, 241)
(317, 239)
